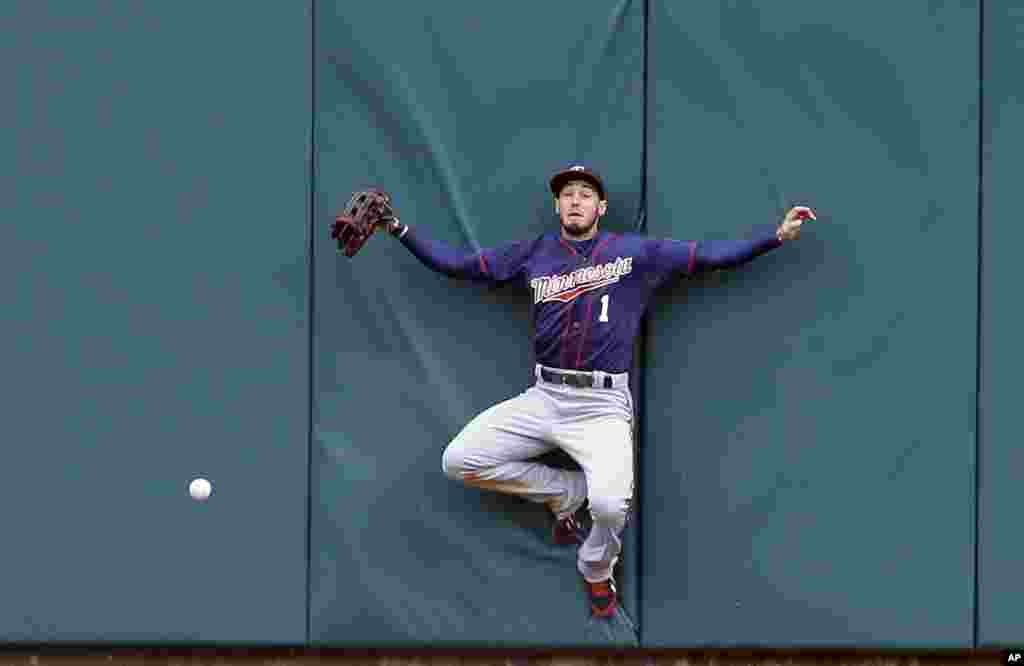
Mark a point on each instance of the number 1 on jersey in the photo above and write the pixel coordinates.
(604, 308)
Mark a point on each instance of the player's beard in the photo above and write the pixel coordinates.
(576, 229)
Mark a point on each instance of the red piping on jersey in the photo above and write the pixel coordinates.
(565, 332)
(604, 241)
(590, 304)
(569, 306)
(483, 264)
(586, 329)
(693, 257)
(567, 246)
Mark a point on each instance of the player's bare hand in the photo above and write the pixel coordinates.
(790, 228)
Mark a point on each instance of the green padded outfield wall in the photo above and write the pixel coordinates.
(808, 426)
(808, 444)
(1001, 458)
(462, 116)
(155, 268)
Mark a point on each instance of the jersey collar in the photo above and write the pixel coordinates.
(599, 239)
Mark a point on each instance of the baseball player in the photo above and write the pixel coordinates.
(590, 288)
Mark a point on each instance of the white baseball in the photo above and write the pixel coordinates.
(199, 489)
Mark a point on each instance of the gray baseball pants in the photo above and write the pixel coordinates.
(593, 425)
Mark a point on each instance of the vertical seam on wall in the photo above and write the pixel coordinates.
(978, 329)
(311, 324)
(641, 412)
(641, 223)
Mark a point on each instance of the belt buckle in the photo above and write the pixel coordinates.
(571, 379)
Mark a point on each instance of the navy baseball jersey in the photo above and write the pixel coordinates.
(588, 296)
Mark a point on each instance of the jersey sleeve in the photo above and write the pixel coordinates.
(495, 265)
(669, 258)
(506, 262)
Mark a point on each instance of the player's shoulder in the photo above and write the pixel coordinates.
(629, 241)
(628, 236)
(528, 245)
(545, 239)
(539, 240)
(525, 241)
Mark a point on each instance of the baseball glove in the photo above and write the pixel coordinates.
(366, 211)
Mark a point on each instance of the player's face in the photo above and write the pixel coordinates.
(579, 206)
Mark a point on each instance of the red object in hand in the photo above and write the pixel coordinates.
(365, 213)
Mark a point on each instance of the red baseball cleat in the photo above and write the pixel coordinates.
(604, 598)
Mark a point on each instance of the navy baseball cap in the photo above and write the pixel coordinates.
(577, 171)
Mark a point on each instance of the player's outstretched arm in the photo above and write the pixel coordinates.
(372, 210)
(495, 265)
(438, 255)
(719, 254)
(671, 257)
(712, 255)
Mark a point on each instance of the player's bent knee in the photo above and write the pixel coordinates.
(453, 463)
